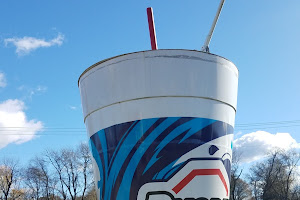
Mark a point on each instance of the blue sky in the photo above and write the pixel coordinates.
(46, 45)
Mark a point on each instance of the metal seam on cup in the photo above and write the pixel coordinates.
(153, 97)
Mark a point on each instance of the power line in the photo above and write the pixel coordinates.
(269, 123)
(32, 128)
(292, 122)
(71, 131)
(38, 133)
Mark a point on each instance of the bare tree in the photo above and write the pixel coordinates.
(264, 177)
(71, 176)
(291, 160)
(295, 193)
(9, 175)
(73, 170)
(91, 194)
(239, 189)
(236, 173)
(55, 159)
(33, 179)
(85, 166)
(17, 194)
(57, 175)
(273, 178)
(41, 164)
(242, 190)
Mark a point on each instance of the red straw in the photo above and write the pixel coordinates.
(151, 28)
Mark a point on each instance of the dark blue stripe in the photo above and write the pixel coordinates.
(97, 143)
(140, 178)
(115, 189)
(110, 140)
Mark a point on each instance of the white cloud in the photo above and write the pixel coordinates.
(41, 88)
(256, 145)
(14, 125)
(73, 107)
(27, 44)
(29, 92)
(2, 80)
